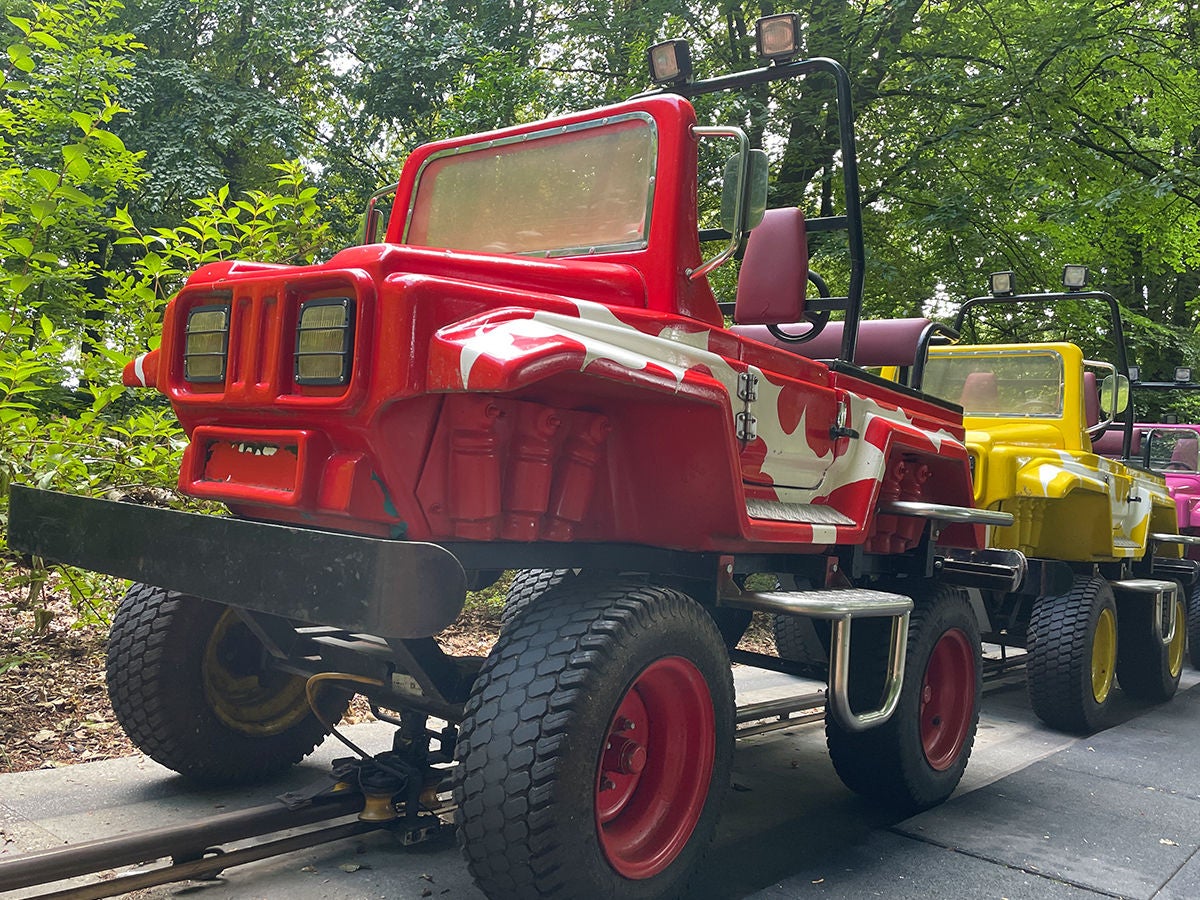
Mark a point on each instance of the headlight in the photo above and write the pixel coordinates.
(206, 344)
(324, 341)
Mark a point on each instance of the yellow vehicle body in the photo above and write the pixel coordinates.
(1028, 436)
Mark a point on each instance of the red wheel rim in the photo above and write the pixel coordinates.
(655, 767)
(947, 699)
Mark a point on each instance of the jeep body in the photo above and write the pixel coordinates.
(531, 371)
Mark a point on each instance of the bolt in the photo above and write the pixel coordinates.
(606, 783)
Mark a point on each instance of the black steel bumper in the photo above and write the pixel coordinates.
(392, 589)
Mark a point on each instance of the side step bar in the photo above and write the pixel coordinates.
(840, 607)
(1164, 594)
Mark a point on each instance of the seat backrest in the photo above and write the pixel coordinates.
(980, 393)
(1091, 400)
(773, 279)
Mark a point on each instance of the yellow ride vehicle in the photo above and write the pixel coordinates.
(1101, 534)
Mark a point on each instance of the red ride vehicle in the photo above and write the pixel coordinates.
(530, 370)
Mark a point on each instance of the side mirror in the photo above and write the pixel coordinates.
(1114, 395)
(754, 196)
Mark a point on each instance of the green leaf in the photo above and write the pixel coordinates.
(83, 120)
(77, 165)
(108, 140)
(21, 245)
(47, 328)
(44, 177)
(45, 39)
(43, 208)
(74, 195)
(18, 54)
(151, 263)
(22, 23)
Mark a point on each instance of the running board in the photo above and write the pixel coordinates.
(1164, 594)
(840, 607)
(944, 513)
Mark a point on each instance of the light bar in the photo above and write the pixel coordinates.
(324, 340)
(1075, 277)
(206, 344)
(670, 62)
(778, 37)
(1002, 284)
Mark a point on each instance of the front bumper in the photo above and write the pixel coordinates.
(387, 588)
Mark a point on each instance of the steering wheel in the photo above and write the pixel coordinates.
(817, 320)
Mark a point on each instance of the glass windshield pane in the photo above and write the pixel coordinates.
(1026, 384)
(1174, 450)
(588, 189)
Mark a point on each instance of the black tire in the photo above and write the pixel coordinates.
(533, 750)
(1070, 670)
(186, 682)
(916, 759)
(1193, 627)
(797, 640)
(1147, 669)
(527, 585)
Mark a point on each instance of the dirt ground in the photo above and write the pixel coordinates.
(54, 708)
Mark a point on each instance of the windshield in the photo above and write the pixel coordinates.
(1016, 385)
(1174, 450)
(579, 189)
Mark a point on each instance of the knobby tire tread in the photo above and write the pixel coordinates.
(155, 688)
(532, 694)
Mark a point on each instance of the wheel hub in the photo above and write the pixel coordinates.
(654, 768)
(947, 699)
(1104, 655)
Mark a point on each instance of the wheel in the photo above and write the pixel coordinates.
(527, 585)
(1072, 650)
(1193, 627)
(596, 747)
(1146, 668)
(797, 640)
(187, 683)
(915, 759)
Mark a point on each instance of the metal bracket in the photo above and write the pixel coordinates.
(747, 386)
(746, 425)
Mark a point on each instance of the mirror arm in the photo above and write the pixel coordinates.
(739, 203)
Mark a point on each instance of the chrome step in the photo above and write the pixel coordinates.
(840, 607)
(1164, 594)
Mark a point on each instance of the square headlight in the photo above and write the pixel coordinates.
(324, 341)
(206, 344)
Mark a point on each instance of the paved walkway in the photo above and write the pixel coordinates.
(1039, 815)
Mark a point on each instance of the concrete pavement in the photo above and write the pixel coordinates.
(1039, 815)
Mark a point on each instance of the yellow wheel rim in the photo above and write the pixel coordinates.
(1175, 648)
(242, 693)
(1104, 655)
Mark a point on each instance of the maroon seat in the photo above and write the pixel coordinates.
(1109, 443)
(980, 393)
(1091, 400)
(773, 278)
(881, 342)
